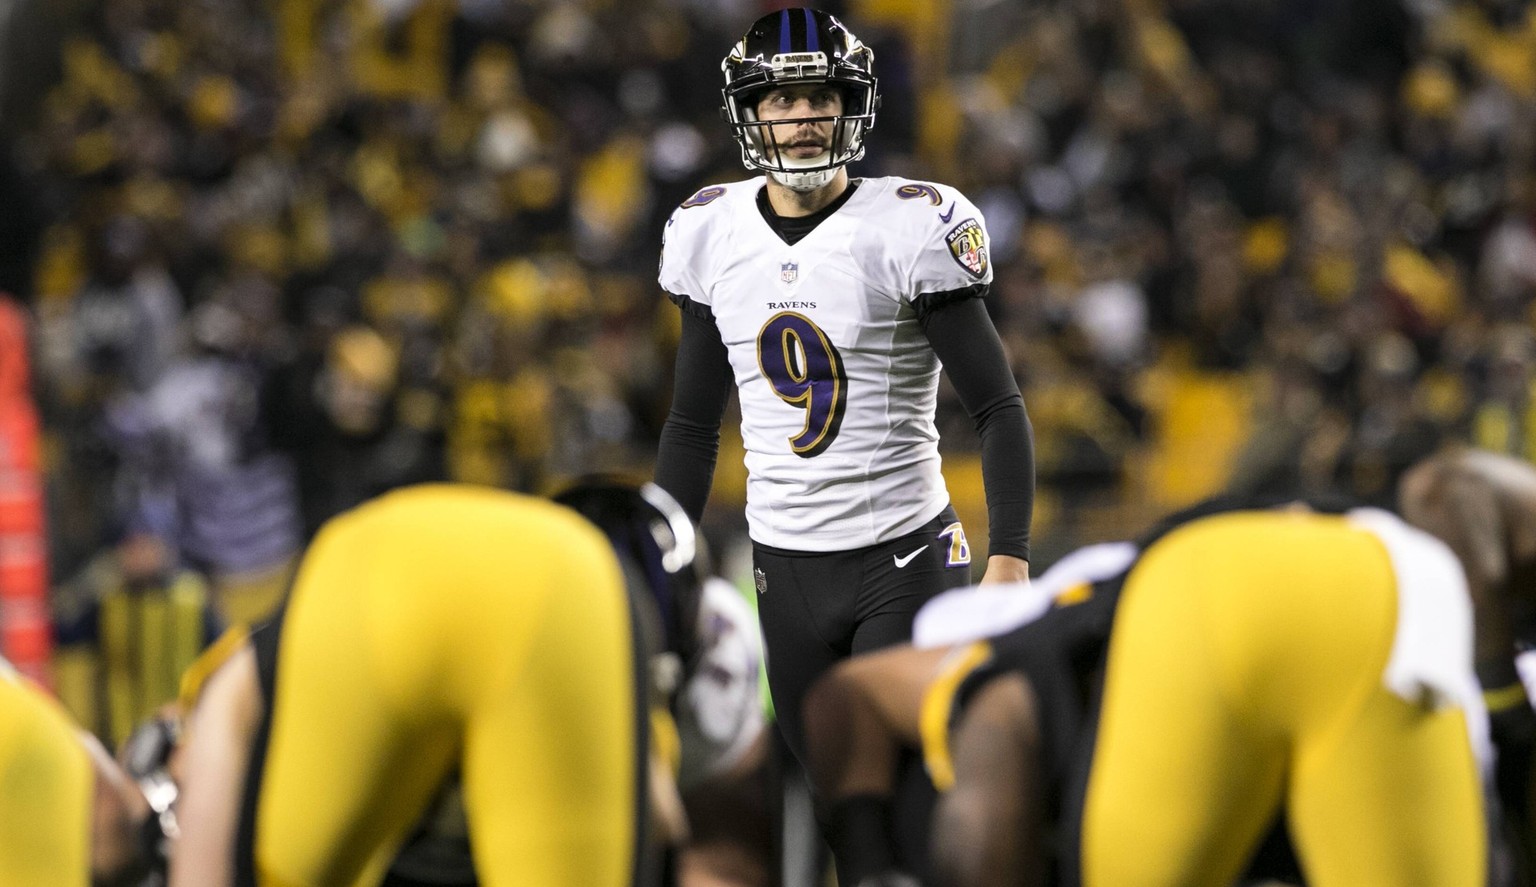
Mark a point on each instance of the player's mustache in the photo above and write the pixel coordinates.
(807, 140)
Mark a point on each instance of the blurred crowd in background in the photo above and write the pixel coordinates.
(283, 255)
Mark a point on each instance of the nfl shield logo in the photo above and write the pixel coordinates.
(788, 272)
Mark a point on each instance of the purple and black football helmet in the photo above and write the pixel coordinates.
(799, 46)
(658, 548)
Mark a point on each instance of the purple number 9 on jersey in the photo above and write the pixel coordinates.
(806, 371)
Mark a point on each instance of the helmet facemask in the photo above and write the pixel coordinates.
(819, 52)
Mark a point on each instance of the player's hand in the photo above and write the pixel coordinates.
(669, 821)
(1002, 568)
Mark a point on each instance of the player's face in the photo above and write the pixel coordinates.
(808, 139)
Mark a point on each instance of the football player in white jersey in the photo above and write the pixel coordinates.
(833, 303)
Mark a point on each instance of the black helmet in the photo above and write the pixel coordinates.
(795, 46)
(658, 547)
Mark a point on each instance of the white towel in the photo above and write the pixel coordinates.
(1431, 661)
(980, 611)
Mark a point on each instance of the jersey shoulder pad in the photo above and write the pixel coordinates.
(707, 214)
(942, 229)
(919, 193)
(925, 203)
(711, 200)
(687, 250)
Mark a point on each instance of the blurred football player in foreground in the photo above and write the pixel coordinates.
(448, 629)
(1158, 706)
(69, 815)
(1483, 505)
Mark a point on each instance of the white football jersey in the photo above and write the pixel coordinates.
(720, 709)
(836, 379)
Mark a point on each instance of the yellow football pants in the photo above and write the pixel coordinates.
(1245, 672)
(450, 625)
(46, 785)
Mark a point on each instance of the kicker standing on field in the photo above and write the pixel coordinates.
(832, 302)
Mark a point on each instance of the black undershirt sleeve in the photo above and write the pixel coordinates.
(265, 640)
(701, 387)
(963, 337)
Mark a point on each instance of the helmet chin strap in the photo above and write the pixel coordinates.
(804, 181)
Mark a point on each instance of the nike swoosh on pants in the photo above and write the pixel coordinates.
(903, 561)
